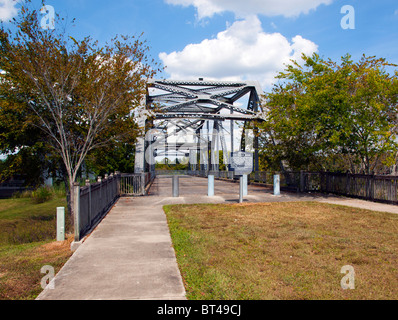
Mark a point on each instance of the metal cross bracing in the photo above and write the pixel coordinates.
(199, 110)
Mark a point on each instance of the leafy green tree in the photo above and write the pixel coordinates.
(221, 164)
(322, 109)
(117, 156)
(25, 144)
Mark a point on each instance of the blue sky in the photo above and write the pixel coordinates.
(235, 39)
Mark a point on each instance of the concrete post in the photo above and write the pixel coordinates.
(76, 210)
(210, 185)
(99, 179)
(143, 184)
(240, 189)
(60, 223)
(88, 185)
(245, 183)
(277, 189)
(175, 186)
(139, 163)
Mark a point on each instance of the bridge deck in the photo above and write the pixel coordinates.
(190, 186)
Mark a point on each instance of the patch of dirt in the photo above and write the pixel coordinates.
(55, 247)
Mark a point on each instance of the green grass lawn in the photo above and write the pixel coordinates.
(284, 251)
(27, 243)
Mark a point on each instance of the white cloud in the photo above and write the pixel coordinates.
(287, 8)
(242, 52)
(8, 9)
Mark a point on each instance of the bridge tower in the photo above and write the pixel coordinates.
(195, 119)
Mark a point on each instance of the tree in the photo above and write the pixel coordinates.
(81, 96)
(117, 156)
(16, 141)
(323, 109)
(28, 153)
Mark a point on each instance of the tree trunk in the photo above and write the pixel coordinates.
(68, 201)
(69, 196)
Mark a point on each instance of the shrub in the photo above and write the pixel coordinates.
(42, 195)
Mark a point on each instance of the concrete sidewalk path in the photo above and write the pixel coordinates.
(129, 256)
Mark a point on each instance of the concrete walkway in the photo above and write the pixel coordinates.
(129, 256)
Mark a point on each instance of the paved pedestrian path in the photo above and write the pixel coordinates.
(129, 256)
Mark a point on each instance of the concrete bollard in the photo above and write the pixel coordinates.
(60, 223)
(240, 189)
(277, 188)
(210, 185)
(175, 185)
(245, 183)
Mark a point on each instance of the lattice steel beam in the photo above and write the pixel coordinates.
(187, 105)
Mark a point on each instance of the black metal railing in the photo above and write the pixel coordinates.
(94, 200)
(378, 188)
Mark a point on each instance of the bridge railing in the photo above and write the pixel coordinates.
(378, 188)
(132, 184)
(94, 200)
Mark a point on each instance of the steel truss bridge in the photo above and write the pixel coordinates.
(197, 119)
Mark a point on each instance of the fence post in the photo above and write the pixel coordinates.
(117, 176)
(347, 184)
(302, 181)
(89, 198)
(142, 184)
(76, 209)
(99, 180)
(372, 186)
(327, 182)
(107, 185)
